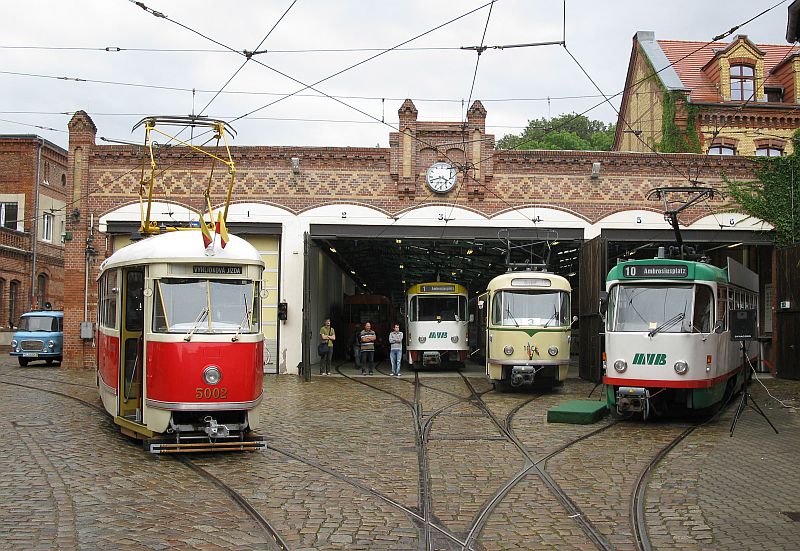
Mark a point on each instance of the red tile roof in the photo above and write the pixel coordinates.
(688, 59)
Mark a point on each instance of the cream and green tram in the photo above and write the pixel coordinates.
(526, 320)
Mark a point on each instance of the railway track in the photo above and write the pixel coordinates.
(279, 543)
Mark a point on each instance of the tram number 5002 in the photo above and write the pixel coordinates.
(208, 393)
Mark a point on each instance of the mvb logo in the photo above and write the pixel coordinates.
(649, 359)
(437, 335)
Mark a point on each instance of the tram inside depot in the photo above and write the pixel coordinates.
(387, 266)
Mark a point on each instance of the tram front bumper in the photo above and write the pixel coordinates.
(632, 399)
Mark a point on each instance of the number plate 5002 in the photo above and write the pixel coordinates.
(209, 393)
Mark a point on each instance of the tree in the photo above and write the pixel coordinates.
(775, 194)
(566, 132)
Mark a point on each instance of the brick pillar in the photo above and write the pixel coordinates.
(78, 353)
(407, 182)
(477, 155)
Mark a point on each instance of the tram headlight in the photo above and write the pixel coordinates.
(454, 339)
(681, 367)
(422, 339)
(620, 366)
(212, 375)
(553, 350)
(13, 343)
(51, 344)
(508, 349)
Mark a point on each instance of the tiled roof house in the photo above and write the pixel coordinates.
(735, 98)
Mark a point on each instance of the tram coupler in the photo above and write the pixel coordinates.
(632, 399)
(522, 375)
(214, 429)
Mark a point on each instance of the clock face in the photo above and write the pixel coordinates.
(441, 177)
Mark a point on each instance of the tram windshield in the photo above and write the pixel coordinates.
(660, 308)
(545, 308)
(206, 306)
(438, 308)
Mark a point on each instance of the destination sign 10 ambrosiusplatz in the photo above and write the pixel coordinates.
(656, 271)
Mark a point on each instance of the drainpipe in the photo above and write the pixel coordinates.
(35, 228)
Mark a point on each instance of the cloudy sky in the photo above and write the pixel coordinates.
(162, 61)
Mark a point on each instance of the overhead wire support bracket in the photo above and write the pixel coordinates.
(481, 49)
(149, 227)
(675, 206)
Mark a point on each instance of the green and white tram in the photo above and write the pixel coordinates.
(668, 342)
(525, 321)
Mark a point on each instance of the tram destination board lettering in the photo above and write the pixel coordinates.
(217, 270)
(438, 288)
(666, 271)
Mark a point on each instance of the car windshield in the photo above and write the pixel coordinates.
(38, 323)
(205, 306)
(641, 307)
(546, 308)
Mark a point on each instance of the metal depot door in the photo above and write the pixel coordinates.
(787, 320)
(592, 276)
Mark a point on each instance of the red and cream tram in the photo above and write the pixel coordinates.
(179, 342)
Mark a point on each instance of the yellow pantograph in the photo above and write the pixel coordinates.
(147, 180)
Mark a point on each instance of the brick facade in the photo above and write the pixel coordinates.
(391, 181)
(24, 259)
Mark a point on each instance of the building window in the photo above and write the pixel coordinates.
(13, 294)
(769, 151)
(63, 179)
(8, 215)
(41, 290)
(742, 82)
(722, 150)
(47, 227)
(2, 300)
(774, 95)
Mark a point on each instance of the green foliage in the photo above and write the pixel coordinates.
(775, 195)
(565, 132)
(673, 138)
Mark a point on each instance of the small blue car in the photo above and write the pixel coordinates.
(40, 336)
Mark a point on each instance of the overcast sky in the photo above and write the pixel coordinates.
(68, 39)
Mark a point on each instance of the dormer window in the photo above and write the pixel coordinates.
(774, 95)
(742, 82)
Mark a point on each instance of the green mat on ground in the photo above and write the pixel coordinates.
(577, 412)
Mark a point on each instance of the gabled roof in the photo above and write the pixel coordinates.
(688, 58)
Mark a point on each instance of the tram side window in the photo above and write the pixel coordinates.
(703, 305)
(108, 300)
(722, 306)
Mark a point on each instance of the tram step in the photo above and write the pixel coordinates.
(577, 412)
(203, 447)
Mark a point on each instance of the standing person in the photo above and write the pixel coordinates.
(367, 339)
(328, 335)
(396, 349)
(356, 345)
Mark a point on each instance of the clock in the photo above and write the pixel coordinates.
(441, 177)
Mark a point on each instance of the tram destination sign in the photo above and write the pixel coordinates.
(438, 288)
(665, 271)
(216, 269)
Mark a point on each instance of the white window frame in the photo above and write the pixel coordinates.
(3, 214)
(47, 226)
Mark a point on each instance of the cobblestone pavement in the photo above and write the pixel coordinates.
(345, 459)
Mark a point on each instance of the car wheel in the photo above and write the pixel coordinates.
(23, 362)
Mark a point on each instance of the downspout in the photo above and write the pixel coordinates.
(89, 251)
(35, 228)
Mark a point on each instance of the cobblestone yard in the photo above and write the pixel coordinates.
(355, 462)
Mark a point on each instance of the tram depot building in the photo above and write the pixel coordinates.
(333, 222)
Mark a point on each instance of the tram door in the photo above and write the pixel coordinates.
(131, 339)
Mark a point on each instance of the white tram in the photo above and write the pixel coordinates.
(668, 338)
(436, 324)
(179, 342)
(524, 324)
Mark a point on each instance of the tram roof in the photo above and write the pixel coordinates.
(507, 281)
(182, 247)
(668, 269)
(437, 288)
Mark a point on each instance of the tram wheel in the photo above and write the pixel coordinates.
(23, 361)
(49, 362)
